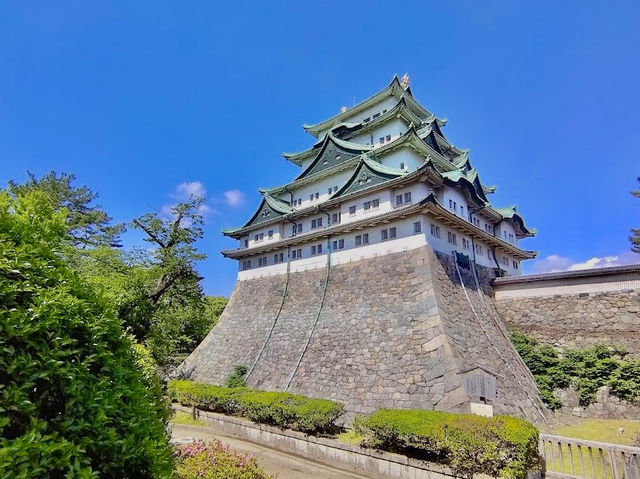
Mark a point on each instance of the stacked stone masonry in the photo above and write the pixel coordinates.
(394, 331)
(577, 320)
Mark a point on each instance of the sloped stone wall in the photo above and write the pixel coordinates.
(577, 320)
(394, 331)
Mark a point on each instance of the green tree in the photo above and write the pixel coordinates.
(88, 224)
(73, 402)
(635, 232)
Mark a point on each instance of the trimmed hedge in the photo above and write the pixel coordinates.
(499, 446)
(285, 410)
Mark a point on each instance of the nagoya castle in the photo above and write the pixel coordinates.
(366, 279)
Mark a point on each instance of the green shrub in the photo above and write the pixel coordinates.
(73, 402)
(284, 410)
(213, 460)
(587, 370)
(500, 446)
(237, 377)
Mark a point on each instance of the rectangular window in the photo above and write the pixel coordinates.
(281, 256)
(402, 165)
(479, 249)
(407, 197)
(330, 191)
(384, 235)
(358, 240)
(375, 115)
(417, 227)
(313, 224)
(489, 253)
(382, 140)
(450, 204)
(388, 138)
(334, 245)
(455, 207)
(313, 249)
(299, 252)
(367, 205)
(293, 254)
(375, 203)
(365, 238)
(311, 197)
(299, 227)
(317, 195)
(255, 238)
(392, 232)
(335, 188)
(261, 236)
(340, 244)
(462, 211)
(466, 243)
(275, 258)
(246, 243)
(398, 200)
(319, 249)
(320, 222)
(435, 230)
(366, 120)
(505, 261)
(352, 210)
(510, 238)
(451, 237)
(270, 234)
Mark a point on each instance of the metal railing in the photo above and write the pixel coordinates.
(566, 457)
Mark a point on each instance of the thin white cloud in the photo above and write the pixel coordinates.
(554, 263)
(188, 189)
(234, 198)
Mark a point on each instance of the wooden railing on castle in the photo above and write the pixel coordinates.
(566, 457)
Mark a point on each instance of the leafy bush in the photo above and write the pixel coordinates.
(587, 370)
(72, 400)
(213, 460)
(500, 446)
(284, 410)
(237, 377)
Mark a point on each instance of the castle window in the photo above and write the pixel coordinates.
(510, 238)
(375, 115)
(384, 111)
(317, 195)
(382, 140)
(270, 234)
(489, 253)
(407, 197)
(319, 222)
(375, 203)
(392, 232)
(313, 224)
(388, 138)
(246, 243)
(450, 204)
(335, 218)
(505, 261)
(335, 188)
(319, 249)
(358, 240)
(367, 205)
(255, 238)
(341, 244)
(246, 264)
(515, 265)
(398, 200)
(334, 245)
(462, 211)
(313, 249)
(417, 227)
(262, 261)
(366, 120)
(365, 238)
(352, 210)
(435, 230)
(479, 249)
(330, 190)
(384, 235)
(311, 197)
(261, 236)
(504, 233)
(275, 258)
(455, 206)
(466, 243)
(402, 165)
(451, 238)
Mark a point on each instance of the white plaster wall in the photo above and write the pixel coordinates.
(322, 187)
(506, 226)
(277, 235)
(454, 194)
(410, 158)
(385, 104)
(395, 127)
(585, 285)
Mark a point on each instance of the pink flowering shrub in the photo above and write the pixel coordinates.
(214, 460)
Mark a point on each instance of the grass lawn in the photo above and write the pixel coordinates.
(181, 417)
(603, 430)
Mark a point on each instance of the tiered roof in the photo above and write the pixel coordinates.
(444, 163)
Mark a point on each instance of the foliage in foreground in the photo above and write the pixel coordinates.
(214, 460)
(285, 410)
(499, 446)
(587, 370)
(72, 400)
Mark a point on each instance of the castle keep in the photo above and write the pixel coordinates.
(367, 278)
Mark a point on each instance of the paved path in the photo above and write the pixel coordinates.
(274, 462)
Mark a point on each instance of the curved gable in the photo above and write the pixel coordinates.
(333, 152)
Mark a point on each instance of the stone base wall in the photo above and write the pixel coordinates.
(394, 331)
(577, 320)
(605, 406)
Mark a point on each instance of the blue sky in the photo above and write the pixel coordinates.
(137, 98)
